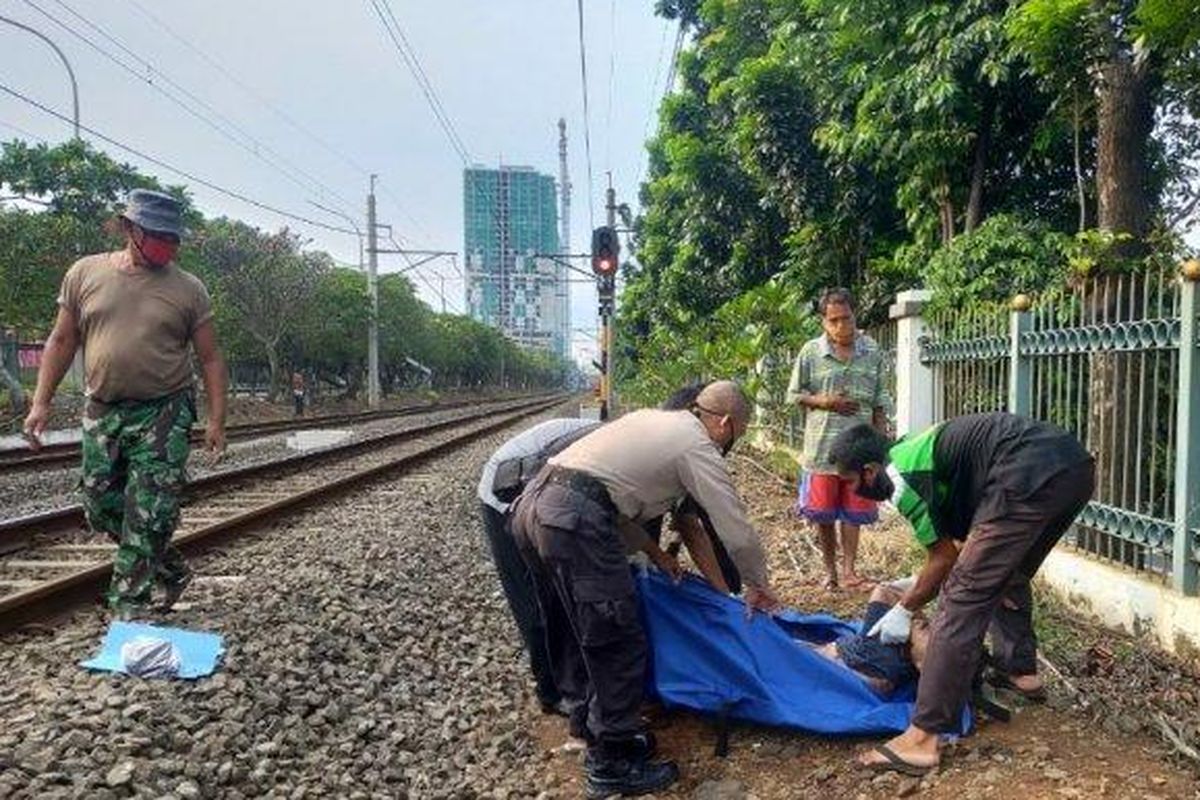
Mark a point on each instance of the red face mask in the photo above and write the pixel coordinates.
(158, 252)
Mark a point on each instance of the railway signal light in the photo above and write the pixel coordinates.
(606, 251)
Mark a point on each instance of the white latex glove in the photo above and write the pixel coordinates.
(903, 584)
(894, 627)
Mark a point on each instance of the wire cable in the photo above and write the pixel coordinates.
(666, 90)
(612, 70)
(209, 116)
(587, 135)
(384, 11)
(233, 193)
(323, 143)
(22, 131)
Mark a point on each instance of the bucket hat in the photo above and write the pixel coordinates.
(153, 211)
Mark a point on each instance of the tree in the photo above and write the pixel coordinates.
(54, 203)
(266, 281)
(332, 337)
(1125, 51)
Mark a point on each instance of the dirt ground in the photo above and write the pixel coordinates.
(1099, 736)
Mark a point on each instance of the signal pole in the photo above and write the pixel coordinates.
(606, 251)
(608, 292)
(373, 292)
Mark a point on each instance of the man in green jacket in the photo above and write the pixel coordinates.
(988, 496)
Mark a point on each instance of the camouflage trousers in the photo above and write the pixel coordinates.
(134, 470)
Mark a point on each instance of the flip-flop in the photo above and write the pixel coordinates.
(859, 584)
(1002, 681)
(894, 763)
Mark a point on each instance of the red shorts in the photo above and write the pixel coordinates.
(825, 499)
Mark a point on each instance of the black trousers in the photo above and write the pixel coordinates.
(989, 587)
(521, 595)
(589, 605)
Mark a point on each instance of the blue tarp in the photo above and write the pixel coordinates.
(706, 656)
(198, 652)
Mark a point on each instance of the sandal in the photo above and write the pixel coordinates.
(1001, 681)
(894, 763)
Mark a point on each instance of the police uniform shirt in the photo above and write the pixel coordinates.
(649, 460)
(525, 445)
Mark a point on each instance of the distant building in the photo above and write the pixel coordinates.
(510, 217)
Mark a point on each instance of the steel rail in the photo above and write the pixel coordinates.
(48, 597)
(16, 532)
(16, 458)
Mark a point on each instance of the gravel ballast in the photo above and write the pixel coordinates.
(370, 654)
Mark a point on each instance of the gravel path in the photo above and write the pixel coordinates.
(369, 655)
(27, 492)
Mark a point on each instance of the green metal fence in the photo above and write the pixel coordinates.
(1113, 360)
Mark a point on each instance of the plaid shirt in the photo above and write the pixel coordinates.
(818, 371)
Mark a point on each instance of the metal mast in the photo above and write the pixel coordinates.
(564, 236)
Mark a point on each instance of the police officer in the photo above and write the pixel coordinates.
(575, 523)
(505, 474)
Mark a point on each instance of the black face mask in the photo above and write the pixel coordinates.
(880, 490)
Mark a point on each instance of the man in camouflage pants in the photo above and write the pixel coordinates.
(134, 460)
(139, 318)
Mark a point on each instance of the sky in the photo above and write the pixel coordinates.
(294, 102)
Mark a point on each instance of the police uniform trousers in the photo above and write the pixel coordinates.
(521, 594)
(565, 525)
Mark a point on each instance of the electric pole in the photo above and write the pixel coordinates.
(373, 291)
(606, 252)
(607, 318)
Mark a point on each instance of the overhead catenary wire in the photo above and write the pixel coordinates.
(587, 135)
(612, 71)
(22, 132)
(185, 174)
(409, 56)
(320, 141)
(222, 125)
(659, 98)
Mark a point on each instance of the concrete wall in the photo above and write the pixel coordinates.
(1123, 600)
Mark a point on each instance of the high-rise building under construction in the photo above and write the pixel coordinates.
(511, 224)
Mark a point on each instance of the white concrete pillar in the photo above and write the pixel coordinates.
(914, 380)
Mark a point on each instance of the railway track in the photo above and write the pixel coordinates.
(67, 453)
(50, 563)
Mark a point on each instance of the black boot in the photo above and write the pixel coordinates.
(623, 768)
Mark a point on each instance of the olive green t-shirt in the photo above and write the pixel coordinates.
(136, 326)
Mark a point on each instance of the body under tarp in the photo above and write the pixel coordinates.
(707, 657)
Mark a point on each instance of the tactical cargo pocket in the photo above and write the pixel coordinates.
(607, 611)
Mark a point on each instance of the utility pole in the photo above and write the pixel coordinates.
(373, 291)
(606, 257)
(607, 302)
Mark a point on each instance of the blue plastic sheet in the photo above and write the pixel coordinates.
(198, 652)
(706, 656)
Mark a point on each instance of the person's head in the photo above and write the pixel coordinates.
(860, 454)
(152, 224)
(722, 408)
(836, 307)
(682, 398)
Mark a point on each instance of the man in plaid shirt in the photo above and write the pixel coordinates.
(839, 379)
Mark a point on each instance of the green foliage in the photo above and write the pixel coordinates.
(882, 145)
(275, 302)
(1004, 257)
(60, 199)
